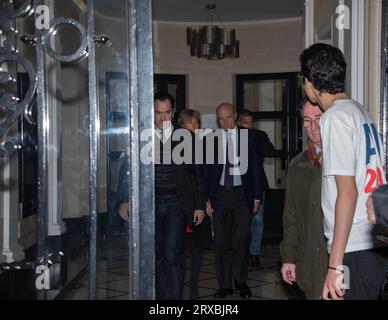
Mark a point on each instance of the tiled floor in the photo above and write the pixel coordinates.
(112, 275)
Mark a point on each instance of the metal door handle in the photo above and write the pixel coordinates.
(102, 39)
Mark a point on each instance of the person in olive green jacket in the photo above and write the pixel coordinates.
(303, 249)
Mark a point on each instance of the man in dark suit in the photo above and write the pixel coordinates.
(179, 200)
(266, 150)
(377, 205)
(234, 194)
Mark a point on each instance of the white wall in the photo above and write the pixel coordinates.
(372, 55)
(265, 47)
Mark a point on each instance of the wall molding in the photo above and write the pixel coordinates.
(309, 23)
(357, 64)
(229, 23)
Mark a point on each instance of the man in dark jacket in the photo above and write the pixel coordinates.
(179, 200)
(377, 205)
(234, 192)
(303, 248)
(266, 150)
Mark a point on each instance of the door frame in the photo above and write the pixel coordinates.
(290, 115)
(292, 139)
(162, 80)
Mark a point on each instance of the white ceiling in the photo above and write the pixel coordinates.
(227, 10)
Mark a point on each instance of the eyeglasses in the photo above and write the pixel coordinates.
(307, 122)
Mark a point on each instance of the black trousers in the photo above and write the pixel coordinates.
(170, 224)
(196, 263)
(366, 273)
(232, 220)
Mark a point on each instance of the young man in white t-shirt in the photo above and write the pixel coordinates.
(352, 168)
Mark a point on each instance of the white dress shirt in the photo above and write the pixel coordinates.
(167, 132)
(235, 161)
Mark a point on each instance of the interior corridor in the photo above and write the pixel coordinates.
(112, 274)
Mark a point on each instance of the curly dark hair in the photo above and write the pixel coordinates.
(325, 67)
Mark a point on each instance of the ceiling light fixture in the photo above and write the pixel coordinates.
(212, 42)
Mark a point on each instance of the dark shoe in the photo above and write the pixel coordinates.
(222, 293)
(245, 292)
(194, 293)
(255, 261)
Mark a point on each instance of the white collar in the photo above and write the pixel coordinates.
(166, 132)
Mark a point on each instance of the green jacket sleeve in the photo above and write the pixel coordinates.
(289, 244)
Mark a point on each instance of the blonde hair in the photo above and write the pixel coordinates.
(188, 115)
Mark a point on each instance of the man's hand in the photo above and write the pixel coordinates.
(198, 217)
(124, 211)
(371, 210)
(209, 209)
(256, 207)
(288, 272)
(334, 286)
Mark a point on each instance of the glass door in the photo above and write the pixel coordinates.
(75, 96)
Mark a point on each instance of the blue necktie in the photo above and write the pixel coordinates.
(228, 178)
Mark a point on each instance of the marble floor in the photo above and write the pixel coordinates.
(112, 275)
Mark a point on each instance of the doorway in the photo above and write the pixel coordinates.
(274, 99)
(175, 85)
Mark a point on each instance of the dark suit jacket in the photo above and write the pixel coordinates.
(380, 204)
(189, 178)
(250, 180)
(267, 150)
